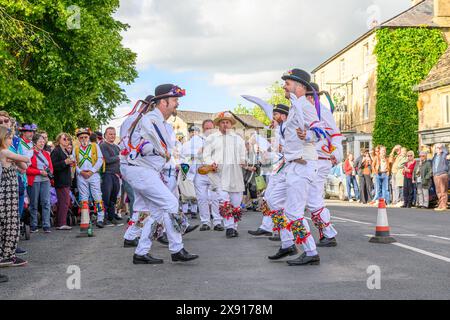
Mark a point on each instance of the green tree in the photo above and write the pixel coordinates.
(277, 94)
(61, 77)
(405, 56)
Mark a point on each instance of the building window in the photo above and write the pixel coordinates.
(366, 56)
(446, 108)
(366, 104)
(364, 145)
(342, 69)
(322, 78)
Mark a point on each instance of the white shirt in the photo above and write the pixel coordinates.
(335, 136)
(301, 115)
(173, 143)
(125, 136)
(191, 153)
(228, 152)
(87, 165)
(153, 151)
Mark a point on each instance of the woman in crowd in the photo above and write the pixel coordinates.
(9, 198)
(62, 163)
(366, 181)
(408, 187)
(422, 176)
(376, 191)
(399, 164)
(381, 171)
(350, 172)
(39, 182)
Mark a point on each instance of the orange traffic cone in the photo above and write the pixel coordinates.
(85, 221)
(382, 231)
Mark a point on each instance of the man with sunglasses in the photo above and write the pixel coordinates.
(89, 161)
(144, 174)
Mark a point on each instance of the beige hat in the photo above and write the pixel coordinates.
(226, 115)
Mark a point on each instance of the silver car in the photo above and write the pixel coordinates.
(336, 184)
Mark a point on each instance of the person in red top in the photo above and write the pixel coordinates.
(350, 172)
(39, 174)
(407, 182)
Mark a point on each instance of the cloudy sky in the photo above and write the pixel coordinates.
(220, 49)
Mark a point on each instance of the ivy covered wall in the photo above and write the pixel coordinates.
(405, 57)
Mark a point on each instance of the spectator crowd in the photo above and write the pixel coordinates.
(398, 177)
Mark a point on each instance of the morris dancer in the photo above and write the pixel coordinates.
(144, 174)
(207, 196)
(280, 114)
(225, 152)
(27, 132)
(129, 141)
(299, 174)
(89, 161)
(330, 152)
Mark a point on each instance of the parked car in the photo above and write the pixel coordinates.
(335, 186)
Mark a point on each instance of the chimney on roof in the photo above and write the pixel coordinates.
(442, 13)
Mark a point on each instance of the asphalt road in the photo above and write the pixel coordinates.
(417, 267)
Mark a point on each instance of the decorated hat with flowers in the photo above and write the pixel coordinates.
(226, 115)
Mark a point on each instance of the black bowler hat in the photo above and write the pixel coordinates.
(149, 98)
(298, 75)
(168, 91)
(281, 108)
(315, 87)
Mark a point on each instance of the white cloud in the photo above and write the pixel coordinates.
(244, 44)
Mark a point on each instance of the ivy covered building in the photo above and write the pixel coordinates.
(372, 79)
(434, 104)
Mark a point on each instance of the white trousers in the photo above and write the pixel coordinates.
(91, 187)
(189, 204)
(235, 198)
(291, 194)
(207, 200)
(267, 223)
(316, 202)
(159, 201)
(170, 179)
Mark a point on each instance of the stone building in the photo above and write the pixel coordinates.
(351, 74)
(434, 104)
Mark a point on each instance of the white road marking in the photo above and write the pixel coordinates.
(443, 238)
(349, 220)
(427, 253)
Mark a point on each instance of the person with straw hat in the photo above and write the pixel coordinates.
(225, 152)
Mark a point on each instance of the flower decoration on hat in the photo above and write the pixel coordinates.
(177, 91)
(81, 131)
(288, 73)
(28, 127)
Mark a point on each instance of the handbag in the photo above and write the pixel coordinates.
(260, 183)
(186, 186)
